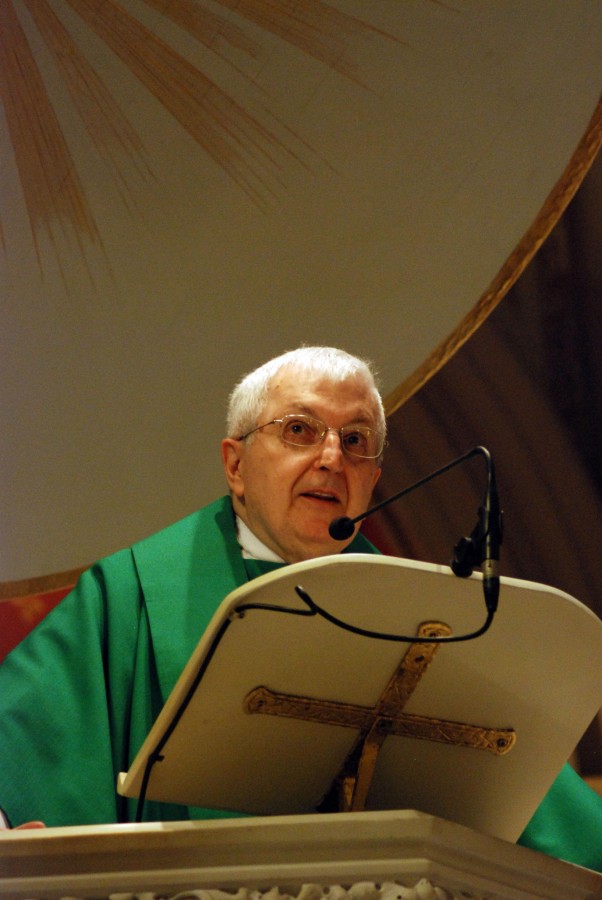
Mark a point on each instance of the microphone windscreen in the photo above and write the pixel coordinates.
(342, 528)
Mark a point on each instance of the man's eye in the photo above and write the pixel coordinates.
(357, 442)
(355, 439)
(300, 431)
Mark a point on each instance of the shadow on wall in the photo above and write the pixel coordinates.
(528, 386)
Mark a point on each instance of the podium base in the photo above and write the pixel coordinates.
(284, 852)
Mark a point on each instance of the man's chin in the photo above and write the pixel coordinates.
(314, 548)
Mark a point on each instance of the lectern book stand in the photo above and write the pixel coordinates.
(282, 711)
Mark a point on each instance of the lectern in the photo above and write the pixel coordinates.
(283, 708)
(447, 747)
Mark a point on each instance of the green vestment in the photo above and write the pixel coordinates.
(80, 693)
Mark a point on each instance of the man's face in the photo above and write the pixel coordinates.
(288, 495)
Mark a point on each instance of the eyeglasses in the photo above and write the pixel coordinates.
(304, 431)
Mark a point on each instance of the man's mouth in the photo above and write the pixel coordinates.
(325, 496)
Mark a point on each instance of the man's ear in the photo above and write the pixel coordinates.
(377, 473)
(232, 456)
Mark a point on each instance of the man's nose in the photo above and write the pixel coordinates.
(331, 453)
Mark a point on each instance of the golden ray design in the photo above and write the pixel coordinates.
(52, 190)
(109, 129)
(244, 148)
(253, 148)
(211, 30)
(319, 30)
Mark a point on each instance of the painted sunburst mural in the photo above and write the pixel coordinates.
(188, 186)
(254, 150)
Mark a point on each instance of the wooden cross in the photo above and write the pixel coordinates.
(374, 724)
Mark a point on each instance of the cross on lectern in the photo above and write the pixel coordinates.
(374, 724)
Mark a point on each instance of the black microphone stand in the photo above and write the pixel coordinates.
(481, 548)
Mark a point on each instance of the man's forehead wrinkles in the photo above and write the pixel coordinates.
(344, 403)
(361, 416)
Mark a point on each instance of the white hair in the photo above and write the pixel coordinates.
(249, 397)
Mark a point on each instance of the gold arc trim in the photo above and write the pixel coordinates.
(554, 206)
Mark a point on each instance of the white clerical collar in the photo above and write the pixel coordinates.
(251, 546)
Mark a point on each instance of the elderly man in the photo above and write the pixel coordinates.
(306, 433)
(305, 447)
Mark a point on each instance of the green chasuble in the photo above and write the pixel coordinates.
(80, 693)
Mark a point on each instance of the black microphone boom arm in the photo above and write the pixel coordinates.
(339, 527)
(483, 545)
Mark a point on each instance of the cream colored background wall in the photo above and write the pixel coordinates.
(185, 191)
